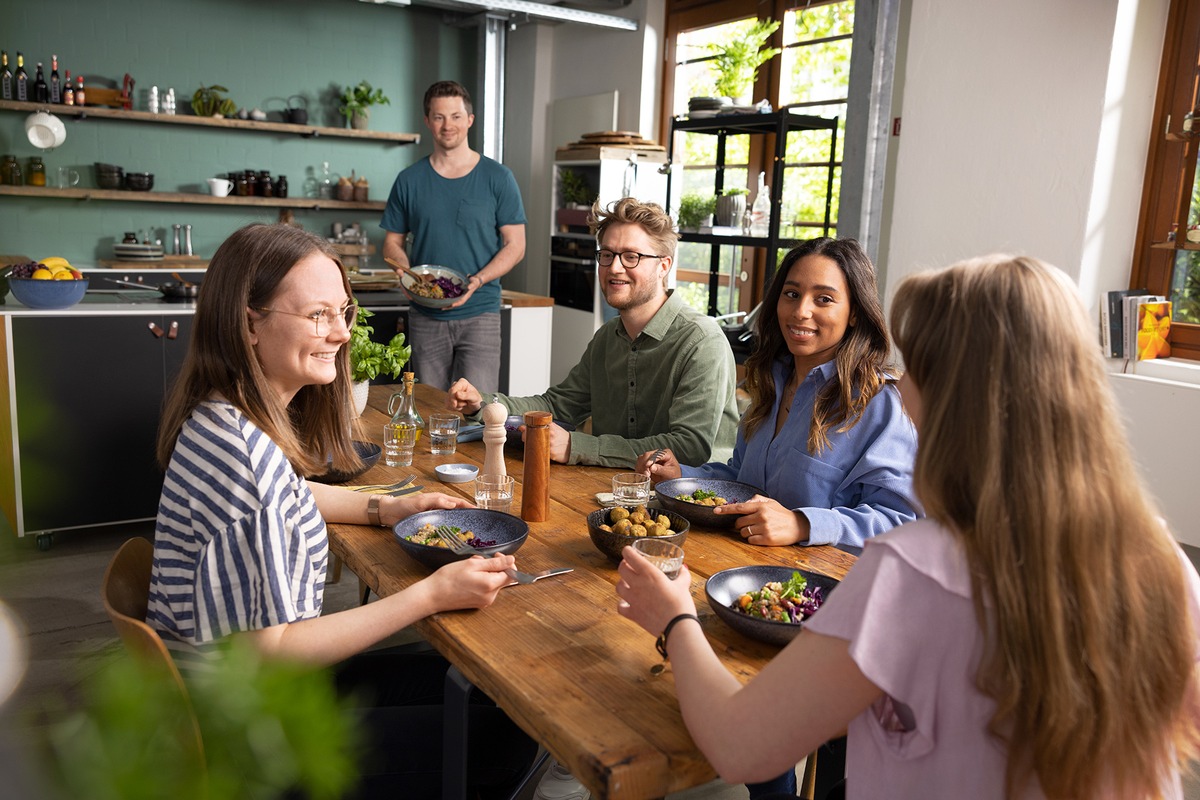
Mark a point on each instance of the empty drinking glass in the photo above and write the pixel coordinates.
(443, 434)
(495, 492)
(667, 556)
(631, 489)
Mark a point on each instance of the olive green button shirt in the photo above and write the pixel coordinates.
(672, 386)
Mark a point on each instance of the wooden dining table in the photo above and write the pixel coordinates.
(555, 655)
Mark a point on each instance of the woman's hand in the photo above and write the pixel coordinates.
(648, 597)
(665, 468)
(394, 509)
(470, 583)
(463, 397)
(766, 522)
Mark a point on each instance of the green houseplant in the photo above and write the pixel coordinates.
(576, 191)
(357, 101)
(738, 59)
(731, 205)
(210, 101)
(370, 359)
(694, 209)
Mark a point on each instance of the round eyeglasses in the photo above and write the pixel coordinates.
(629, 259)
(324, 319)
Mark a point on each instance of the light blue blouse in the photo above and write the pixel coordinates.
(857, 488)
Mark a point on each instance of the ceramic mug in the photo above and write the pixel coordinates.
(67, 178)
(220, 187)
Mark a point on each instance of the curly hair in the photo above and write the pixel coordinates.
(650, 217)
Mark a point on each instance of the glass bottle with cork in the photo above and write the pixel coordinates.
(403, 408)
(6, 77)
(21, 78)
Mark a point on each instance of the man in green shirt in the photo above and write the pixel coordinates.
(658, 375)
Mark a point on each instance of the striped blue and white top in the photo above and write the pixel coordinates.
(239, 543)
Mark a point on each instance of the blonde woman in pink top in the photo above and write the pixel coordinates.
(1034, 637)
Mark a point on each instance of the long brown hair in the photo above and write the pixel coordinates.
(1090, 653)
(861, 356)
(246, 272)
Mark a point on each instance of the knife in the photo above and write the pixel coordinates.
(404, 491)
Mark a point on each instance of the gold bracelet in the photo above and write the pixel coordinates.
(373, 510)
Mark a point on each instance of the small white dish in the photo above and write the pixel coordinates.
(456, 473)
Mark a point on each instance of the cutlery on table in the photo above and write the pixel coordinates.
(384, 487)
(457, 545)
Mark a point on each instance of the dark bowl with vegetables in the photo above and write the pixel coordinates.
(724, 589)
(449, 282)
(611, 543)
(494, 532)
(668, 493)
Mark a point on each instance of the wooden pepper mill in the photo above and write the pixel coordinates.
(494, 416)
(535, 484)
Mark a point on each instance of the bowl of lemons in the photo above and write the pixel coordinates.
(49, 283)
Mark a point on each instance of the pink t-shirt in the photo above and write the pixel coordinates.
(906, 610)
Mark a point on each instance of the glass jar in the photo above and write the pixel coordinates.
(241, 187)
(281, 187)
(264, 187)
(37, 172)
(130, 238)
(6, 169)
(326, 182)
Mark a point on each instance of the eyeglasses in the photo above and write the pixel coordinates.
(324, 319)
(629, 259)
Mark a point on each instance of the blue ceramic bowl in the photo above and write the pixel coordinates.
(369, 452)
(697, 514)
(48, 294)
(723, 588)
(507, 531)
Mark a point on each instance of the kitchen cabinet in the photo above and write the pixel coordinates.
(579, 306)
(86, 391)
(779, 124)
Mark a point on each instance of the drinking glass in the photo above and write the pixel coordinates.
(631, 489)
(399, 441)
(667, 556)
(443, 434)
(495, 492)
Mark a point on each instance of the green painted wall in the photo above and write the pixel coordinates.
(262, 51)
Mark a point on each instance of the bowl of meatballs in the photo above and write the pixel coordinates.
(612, 529)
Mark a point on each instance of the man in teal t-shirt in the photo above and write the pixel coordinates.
(462, 210)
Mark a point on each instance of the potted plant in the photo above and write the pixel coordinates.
(370, 359)
(695, 210)
(357, 102)
(738, 59)
(576, 195)
(210, 101)
(731, 205)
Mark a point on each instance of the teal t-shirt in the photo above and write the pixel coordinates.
(455, 222)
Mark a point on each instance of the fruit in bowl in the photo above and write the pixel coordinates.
(49, 283)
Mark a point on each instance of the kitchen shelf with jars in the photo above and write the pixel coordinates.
(130, 196)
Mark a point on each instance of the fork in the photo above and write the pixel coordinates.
(457, 545)
(385, 487)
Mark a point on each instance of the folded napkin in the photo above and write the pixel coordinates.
(470, 433)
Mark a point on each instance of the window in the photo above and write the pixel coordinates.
(1171, 194)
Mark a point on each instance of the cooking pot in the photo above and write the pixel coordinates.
(295, 114)
(169, 290)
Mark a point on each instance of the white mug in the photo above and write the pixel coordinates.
(67, 178)
(220, 187)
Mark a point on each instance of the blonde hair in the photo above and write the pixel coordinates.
(245, 273)
(650, 217)
(1090, 652)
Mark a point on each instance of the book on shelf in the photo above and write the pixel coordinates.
(1153, 327)
(1112, 328)
(1129, 321)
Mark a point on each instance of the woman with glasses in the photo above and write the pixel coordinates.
(241, 547)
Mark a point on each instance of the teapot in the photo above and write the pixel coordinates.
(295, 114)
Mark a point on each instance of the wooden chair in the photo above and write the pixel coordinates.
(126, 594)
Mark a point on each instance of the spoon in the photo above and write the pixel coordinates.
(177, 277)
(420, 276)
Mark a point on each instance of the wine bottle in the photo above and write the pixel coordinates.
(41, 90)
(68, 94)
(80, 94)
(22, 78)
(6, 77)
(55, 81)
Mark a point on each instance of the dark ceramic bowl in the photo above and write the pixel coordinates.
(697, 514)
(47, 294)
(509, 533)
(611, 544)
(369, 452)
(512, 427)
(725, 587)
(139, 181)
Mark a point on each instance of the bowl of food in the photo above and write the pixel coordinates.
(769, 604)
(369, 452)
(512, 427)
(52, 283)
(612, 529)
(489, 532)
(445, 288)
(695, 498)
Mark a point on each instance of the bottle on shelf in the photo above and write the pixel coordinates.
(37, 172)
(6, 77)
(55, 81)
(169, 102)
(68, 95)
(760, 215)
(21, 78)
(41, 89)
(80, 94)
(403, 408)
(327, 182)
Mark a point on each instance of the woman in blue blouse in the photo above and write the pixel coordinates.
(826, 437)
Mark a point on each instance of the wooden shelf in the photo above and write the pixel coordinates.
(310, 203)
(308, 131)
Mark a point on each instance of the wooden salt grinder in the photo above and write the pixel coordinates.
(535, 484)
(494, 416)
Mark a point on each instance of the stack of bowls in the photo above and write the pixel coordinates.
(109, 176)
(139, 181)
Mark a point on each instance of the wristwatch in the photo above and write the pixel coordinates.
(373, 510)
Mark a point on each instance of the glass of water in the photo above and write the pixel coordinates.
(631, 489)
(495, 492)
(667, 556)
(399, 441)
(443, 434)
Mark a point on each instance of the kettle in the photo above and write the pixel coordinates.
(297, 115)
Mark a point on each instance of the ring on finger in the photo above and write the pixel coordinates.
(749, 530)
